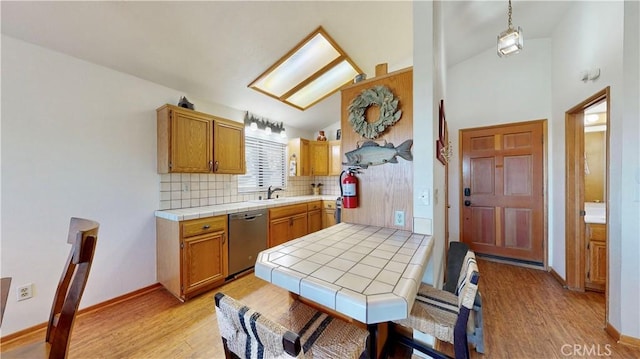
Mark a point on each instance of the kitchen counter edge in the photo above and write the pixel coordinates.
(184, 214)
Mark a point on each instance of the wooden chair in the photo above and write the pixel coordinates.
(83, 235)
(306, 333)
(433, 314)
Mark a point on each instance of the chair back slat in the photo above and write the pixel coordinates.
(83, 235)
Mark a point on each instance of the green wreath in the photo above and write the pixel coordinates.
(389, 113)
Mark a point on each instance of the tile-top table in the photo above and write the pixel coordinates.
(368, 273)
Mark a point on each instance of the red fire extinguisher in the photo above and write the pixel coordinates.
(348, 189)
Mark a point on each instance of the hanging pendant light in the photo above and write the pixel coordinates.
(510, 41)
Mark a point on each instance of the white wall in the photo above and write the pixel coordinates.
(488, 90)
(77, 140)
(630, 179)
(429, 78)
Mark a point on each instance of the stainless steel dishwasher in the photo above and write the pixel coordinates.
(247, 237)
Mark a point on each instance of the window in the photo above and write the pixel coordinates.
(265, 165)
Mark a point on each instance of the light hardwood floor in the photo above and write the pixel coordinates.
(527, 315)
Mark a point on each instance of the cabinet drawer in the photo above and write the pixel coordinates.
(314, 205)
(597, 232)
(329, 204)
(286, 211)
(199, 226)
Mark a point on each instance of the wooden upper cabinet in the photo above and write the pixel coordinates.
(335, 162)
(195, 142)
(228, 147)
(319, 157)
(315, 158)
(300, 148)
(184, 141)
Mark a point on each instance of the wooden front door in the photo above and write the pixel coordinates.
(502, 203)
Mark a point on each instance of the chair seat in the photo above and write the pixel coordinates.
(324, 336)
(29, 351)
(434, 312)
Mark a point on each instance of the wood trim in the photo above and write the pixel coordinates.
(574, 189)
(612, 331)
(627, 340)
(377, 78)
(113, 301)
(557, 277)
(574, 199)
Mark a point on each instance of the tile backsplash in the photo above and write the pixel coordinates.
(187, 190)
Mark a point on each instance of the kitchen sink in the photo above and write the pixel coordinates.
(267, 201)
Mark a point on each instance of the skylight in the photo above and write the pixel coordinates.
(314, 69)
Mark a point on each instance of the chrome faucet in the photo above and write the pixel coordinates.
(270, 191)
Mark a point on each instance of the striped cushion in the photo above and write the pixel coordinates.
(248, 334)
(435, 311)
(323, 336)
(466, 290)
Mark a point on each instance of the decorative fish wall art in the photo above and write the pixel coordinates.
(371, 153)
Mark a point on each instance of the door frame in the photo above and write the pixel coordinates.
(575, 250)
(545, 176)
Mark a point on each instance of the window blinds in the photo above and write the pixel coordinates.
(265, 165)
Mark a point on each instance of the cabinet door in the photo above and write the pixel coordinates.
(298, 226)
(228, 148)
(335, 161)
(204, 261)
(190, 143)
(328, 217)
(279, 231)
(319, 157)
(314, 220)
(300, 148)
(597, 262)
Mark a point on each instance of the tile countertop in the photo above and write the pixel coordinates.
(229, 208)
(368, 273)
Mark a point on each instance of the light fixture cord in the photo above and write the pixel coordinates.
(510, 24)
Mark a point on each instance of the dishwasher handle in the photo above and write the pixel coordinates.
(246, 216)
(252, 217)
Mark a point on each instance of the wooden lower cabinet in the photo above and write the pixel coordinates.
(192, 256)
(596, 259)
(287, 223)
(314, 216)
(328, 213)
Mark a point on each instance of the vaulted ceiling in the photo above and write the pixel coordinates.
(213, 50)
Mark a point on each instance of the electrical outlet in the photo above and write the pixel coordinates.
(185, 187)
(398, 218)
(25, 292)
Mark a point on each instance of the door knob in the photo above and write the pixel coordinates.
(467, 203)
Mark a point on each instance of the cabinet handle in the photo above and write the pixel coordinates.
(206, 226)
(215, 166)
(210, 165)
